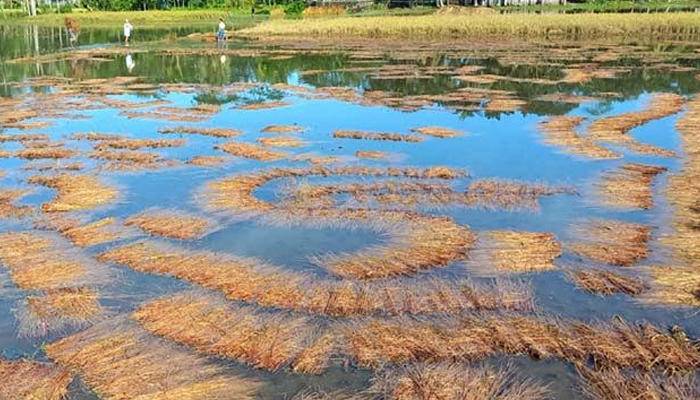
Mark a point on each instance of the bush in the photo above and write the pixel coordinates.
(295, 9)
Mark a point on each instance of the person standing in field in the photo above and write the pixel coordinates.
(221, 34)
(73, 30)
(127, 31)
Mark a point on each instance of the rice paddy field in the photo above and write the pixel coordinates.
(298, 219)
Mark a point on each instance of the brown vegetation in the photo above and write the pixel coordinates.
(676, 285)
(24, 379)
(122, 361)
(251, 151)
(629, 186)
(170, 223)
(283, 129)
(75, 192)
(81, 234)
(607, 283)
(129, 160)
(452, 381)
(136, 144)
(8, 206)
(263, 106)
(612, 242)
(437, 131)
(58, 310)
(215, 132)
(207, 161)
(396, 137)
(281, 141)
(616, 384)
(377, 155)
(515, 251)
(560, 131)
(253, 281)
(509, 195)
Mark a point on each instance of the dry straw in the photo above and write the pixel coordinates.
(82, 234)
(129, 160)
(120, 360)
(247, 150)
(191, 130)
(629, 186)
(612, 242)
(136, 144)
(281, 141)
(8, 206)
(395, 137)
(210, 325)
(453, 381)
(617, 384)
(58, 310)
(170, 223)
(24, 379)
(607, 283)
(515, 251)
(75, 192)
(437, 131)
(283, 129)
(263, 106)
(376, 155)
(252, 281)
(560, 131)
(207, 161)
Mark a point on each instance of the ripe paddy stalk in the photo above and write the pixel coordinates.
(24, 379)
(170, 223)
(612, 242)
(453, 381)
(252, 281)
(214, 132)
(437, 131)
(247, 150)
(75, 192)
(283, 129)
(607, 283)
(281, 141)
(616, 384)
(8, 208)
(617, 344)
(207, 161)
(560, 131)
(58, 310)
(376, 155)
(515, 251)
(269, 341)
(136, 144)
(120, 360)
(102, 231)
(395, 137)
(263, 106)
(629, 186)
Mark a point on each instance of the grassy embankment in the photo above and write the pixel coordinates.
(521, 26)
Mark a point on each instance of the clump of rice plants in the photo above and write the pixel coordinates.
(24, 379)
(247, 150)
(395, 137)
(437, 131)
(560, 131)
(120, 360)
(623, 384)
(170, 223)
(82, 234)
(515, 251)
(612, 242)
(207, 161)
(629, 186)
(129, 160)
(283, 129)
(75, 192)
(607, 283)
(376, 155)
(675, 285)
(453, 381)
(281, 141)
(263, 105)
(191, 130)
(57, 310)
(8, 206)
(136, 144)
(509, 195)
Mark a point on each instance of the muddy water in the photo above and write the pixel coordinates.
(506, 145)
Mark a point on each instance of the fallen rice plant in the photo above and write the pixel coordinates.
(214, 132)
(24, 379)
(253, 281)
(437, 131)
(210, 325)
(515, 251)
(58, 310)
(45, 153)
(263, 106)
(164, 116)
(675, 285)
(129, 160)
(629, 186)
(452, 381)
(607, 283)
(617, 344)
(560, 131)
(75, 192)
(281, 141)
(612, 242)
(283, 129)
(82, 234)
(170, 223)
(8, 206)
(494, 194)
(395, 137)
(616, 384)
(120, 361)
(377, 155)
(136, 144)
(207, 161)
(251, 151)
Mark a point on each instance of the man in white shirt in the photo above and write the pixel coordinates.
(127, 31)
(221, 34)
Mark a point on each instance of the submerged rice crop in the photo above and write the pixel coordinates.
(629, 186)
(251, 151)
(58, 310)
(515, 251)
(437, 131)
(607, 283)
(25, 379)
(75, 192)
(617, 384)
(395, 137)
(170, 223)
(612, 242)
(283, 129)
(561, 131)
(214, 132)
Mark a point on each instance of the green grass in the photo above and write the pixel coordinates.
(461, 26)
(140, 19)
(607, 6)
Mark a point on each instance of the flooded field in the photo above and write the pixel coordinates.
(372, 220)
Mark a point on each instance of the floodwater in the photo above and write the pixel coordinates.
(506, 143)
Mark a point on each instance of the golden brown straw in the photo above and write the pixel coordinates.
(24, 379)
(395, 137)
(607, 283)
(75, 192)
(377, 155)
(120, 360)
(561, 131)
(515, 251)
(8, 207)
(629, 186)
(81, 234)
(612, 242)
(251, 151)
(58, 310)
(452, 381)
(215, 132)
(170, 223)
(136, 144)
(263, 106)
(207, 161)
(281, 141)
(283, 129)
(252, 281)
(208, 324)
(617, 384)
(437, 131)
